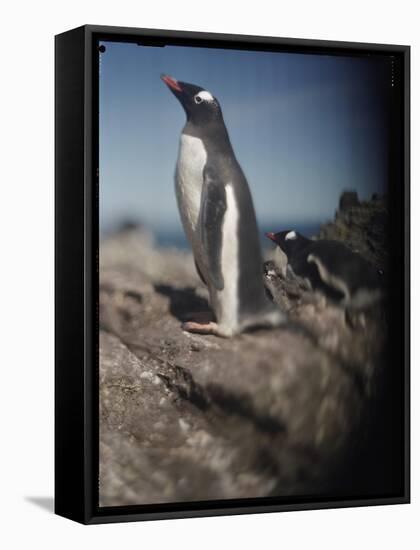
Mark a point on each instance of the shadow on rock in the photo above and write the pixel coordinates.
(241, 405)
(183, 301)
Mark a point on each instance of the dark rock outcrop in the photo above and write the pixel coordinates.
(348, 199)
(362, 226)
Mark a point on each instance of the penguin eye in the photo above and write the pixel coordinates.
(198, 99)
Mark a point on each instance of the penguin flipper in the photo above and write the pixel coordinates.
(212, 211)
(332, 281)
(200, 274)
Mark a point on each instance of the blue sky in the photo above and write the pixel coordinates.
(304, 128)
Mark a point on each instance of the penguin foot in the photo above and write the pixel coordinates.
(201, 316)
(200, 328)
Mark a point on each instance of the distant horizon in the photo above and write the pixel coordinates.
(174, 237)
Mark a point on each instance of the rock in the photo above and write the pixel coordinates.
(362, 226)
(187, 417)
(348, 199)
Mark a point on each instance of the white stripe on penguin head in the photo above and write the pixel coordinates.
(205, 96)
(291, 235)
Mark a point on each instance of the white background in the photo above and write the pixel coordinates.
(26, 271)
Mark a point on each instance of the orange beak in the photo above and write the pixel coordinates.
(171, 82)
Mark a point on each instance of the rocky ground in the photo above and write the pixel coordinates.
(184, 417)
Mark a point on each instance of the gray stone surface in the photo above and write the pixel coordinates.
(188, 417)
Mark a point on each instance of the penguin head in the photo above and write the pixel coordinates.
(289, 241)
(200, 106)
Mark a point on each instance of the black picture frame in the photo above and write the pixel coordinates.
(76, 272)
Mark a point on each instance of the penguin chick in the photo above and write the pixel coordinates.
(331, 267)
(218, 217)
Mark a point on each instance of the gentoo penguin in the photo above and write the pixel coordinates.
(218, 217)
(331, 267)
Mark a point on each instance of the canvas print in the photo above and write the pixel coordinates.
(244, 267)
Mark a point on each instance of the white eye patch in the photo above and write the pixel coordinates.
(290, 236)
(205, 96)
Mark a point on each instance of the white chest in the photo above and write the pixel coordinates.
(192, 158)
(280, 260)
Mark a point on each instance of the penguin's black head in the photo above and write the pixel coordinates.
(200, 106)
(289, 241)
